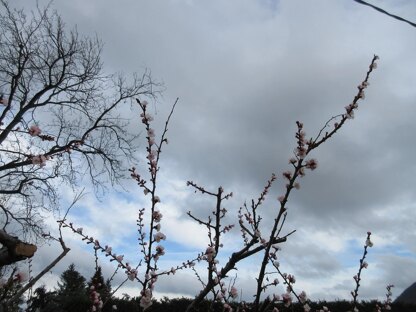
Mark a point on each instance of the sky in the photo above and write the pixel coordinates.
(244, 72)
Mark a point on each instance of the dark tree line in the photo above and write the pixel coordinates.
(72, 294)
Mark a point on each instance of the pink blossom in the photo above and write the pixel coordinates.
(120, 258)
(132, 274)
(157, 216)
(3, 100)
(96, 244)
(312, 164)
(79, 230)
(146, 299)
(287, 299)
(292, 160)
(210, 253)
(160, 250)
(21, 277)
(301, 152)
(159, 236)
(303, 297)
(350, 115)
(40, 160)
(34, 130)
(365, 265)
(148, 117)
(234, 292)
(151, 133)
(287, 175)
(291, 278)
(108, 250)
(152, 155)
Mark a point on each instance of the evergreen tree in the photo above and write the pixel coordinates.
(10, 285)
(72, 291)
(6, 292)
(103, 288)
(71, 281)
(43, 301)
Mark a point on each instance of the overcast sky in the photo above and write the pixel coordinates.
(244, 72)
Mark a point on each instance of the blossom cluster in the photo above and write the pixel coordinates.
(387, 303)
(34, 130)
(106, 250)
(40, 160)
(249, 223)
(95, 298)
(363, 265)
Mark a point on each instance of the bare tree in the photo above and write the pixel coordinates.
(60, 118)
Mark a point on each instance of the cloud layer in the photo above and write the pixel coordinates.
(244, 72)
